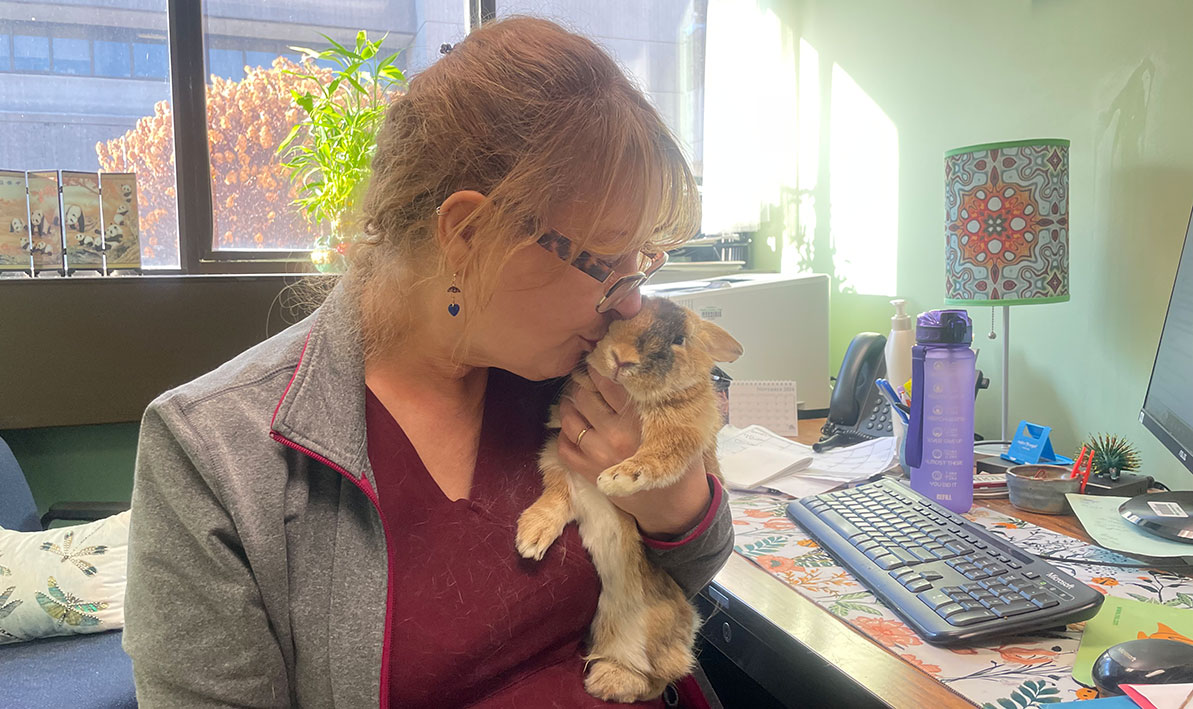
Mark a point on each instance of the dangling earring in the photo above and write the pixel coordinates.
(454, 307)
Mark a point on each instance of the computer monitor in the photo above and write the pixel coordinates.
(1168, 406)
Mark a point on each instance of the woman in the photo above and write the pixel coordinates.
(329, 518)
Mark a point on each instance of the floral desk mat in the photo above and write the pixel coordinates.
(1010, 673)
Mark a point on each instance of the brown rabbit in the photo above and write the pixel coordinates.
(642, 636)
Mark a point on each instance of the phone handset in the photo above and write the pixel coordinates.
(857, 411)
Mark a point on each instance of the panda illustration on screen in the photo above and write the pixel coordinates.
(37, 223)
(74, 218)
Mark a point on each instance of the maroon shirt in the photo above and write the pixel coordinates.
(473, 622)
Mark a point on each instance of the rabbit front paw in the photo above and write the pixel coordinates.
(625, 478)
(538, 528)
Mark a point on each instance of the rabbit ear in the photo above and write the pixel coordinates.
(719, 343)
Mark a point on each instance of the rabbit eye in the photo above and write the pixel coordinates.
(678, 340)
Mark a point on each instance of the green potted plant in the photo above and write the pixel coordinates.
(330, 151)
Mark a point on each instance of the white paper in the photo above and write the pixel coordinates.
(754, 457)
(751, 456)
(768, 403)
(1160, 696)
(799, 486)
(1099, 515)
(857, 462)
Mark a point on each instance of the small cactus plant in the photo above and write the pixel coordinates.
(1113, 456)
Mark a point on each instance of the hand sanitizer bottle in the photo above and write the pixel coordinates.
(898, 346)
(940, 435)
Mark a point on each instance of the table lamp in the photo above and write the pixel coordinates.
(1007, 230)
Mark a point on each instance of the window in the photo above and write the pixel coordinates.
(55, 119)
(228, 63)
(72, 56)
(123, 118)
(151, 60)
(264, 59)
(112, 58)
(250, 115)
(31, 53)
(659, 43)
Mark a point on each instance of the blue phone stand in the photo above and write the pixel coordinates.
(1033, 447)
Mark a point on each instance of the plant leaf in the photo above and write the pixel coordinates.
(355, 84)
(335, 45)
(289, 138)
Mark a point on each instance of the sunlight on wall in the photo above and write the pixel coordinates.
(799, 255)
(749, 115)
(863, 190)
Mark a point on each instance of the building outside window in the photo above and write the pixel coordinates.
(31, 53)
(72, 55)
(113, 59)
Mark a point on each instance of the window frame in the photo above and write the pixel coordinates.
(192, 161)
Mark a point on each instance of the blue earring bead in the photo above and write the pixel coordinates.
(453, 307)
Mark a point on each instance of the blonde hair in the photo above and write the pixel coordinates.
(537, 119)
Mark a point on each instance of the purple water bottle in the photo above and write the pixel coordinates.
(940, 435)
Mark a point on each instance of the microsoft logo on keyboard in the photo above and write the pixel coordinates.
(1059, 580)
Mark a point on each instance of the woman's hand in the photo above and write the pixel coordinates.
(609, 430)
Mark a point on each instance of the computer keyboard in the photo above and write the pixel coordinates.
(948, 578)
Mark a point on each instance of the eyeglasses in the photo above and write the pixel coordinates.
(603, 269)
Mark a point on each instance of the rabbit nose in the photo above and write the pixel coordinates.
(619, 365)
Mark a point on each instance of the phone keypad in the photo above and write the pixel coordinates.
(880, 419)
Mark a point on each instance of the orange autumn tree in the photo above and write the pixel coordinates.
(148, 150)
(251, 190)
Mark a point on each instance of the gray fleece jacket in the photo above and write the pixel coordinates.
(257, 572)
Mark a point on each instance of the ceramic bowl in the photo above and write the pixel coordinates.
(1041, 488)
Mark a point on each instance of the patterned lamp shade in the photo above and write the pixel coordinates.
(1007, 223)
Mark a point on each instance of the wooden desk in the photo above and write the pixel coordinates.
(766, 622)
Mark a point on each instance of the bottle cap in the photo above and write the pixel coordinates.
(901, 321)
(944, 327)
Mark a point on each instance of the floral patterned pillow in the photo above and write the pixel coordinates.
(64, 580)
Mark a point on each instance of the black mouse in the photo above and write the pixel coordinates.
(1146, 661)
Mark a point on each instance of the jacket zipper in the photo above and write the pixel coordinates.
(372, 495)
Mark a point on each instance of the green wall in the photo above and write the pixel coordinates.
(76, 463)
(1113, 78)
